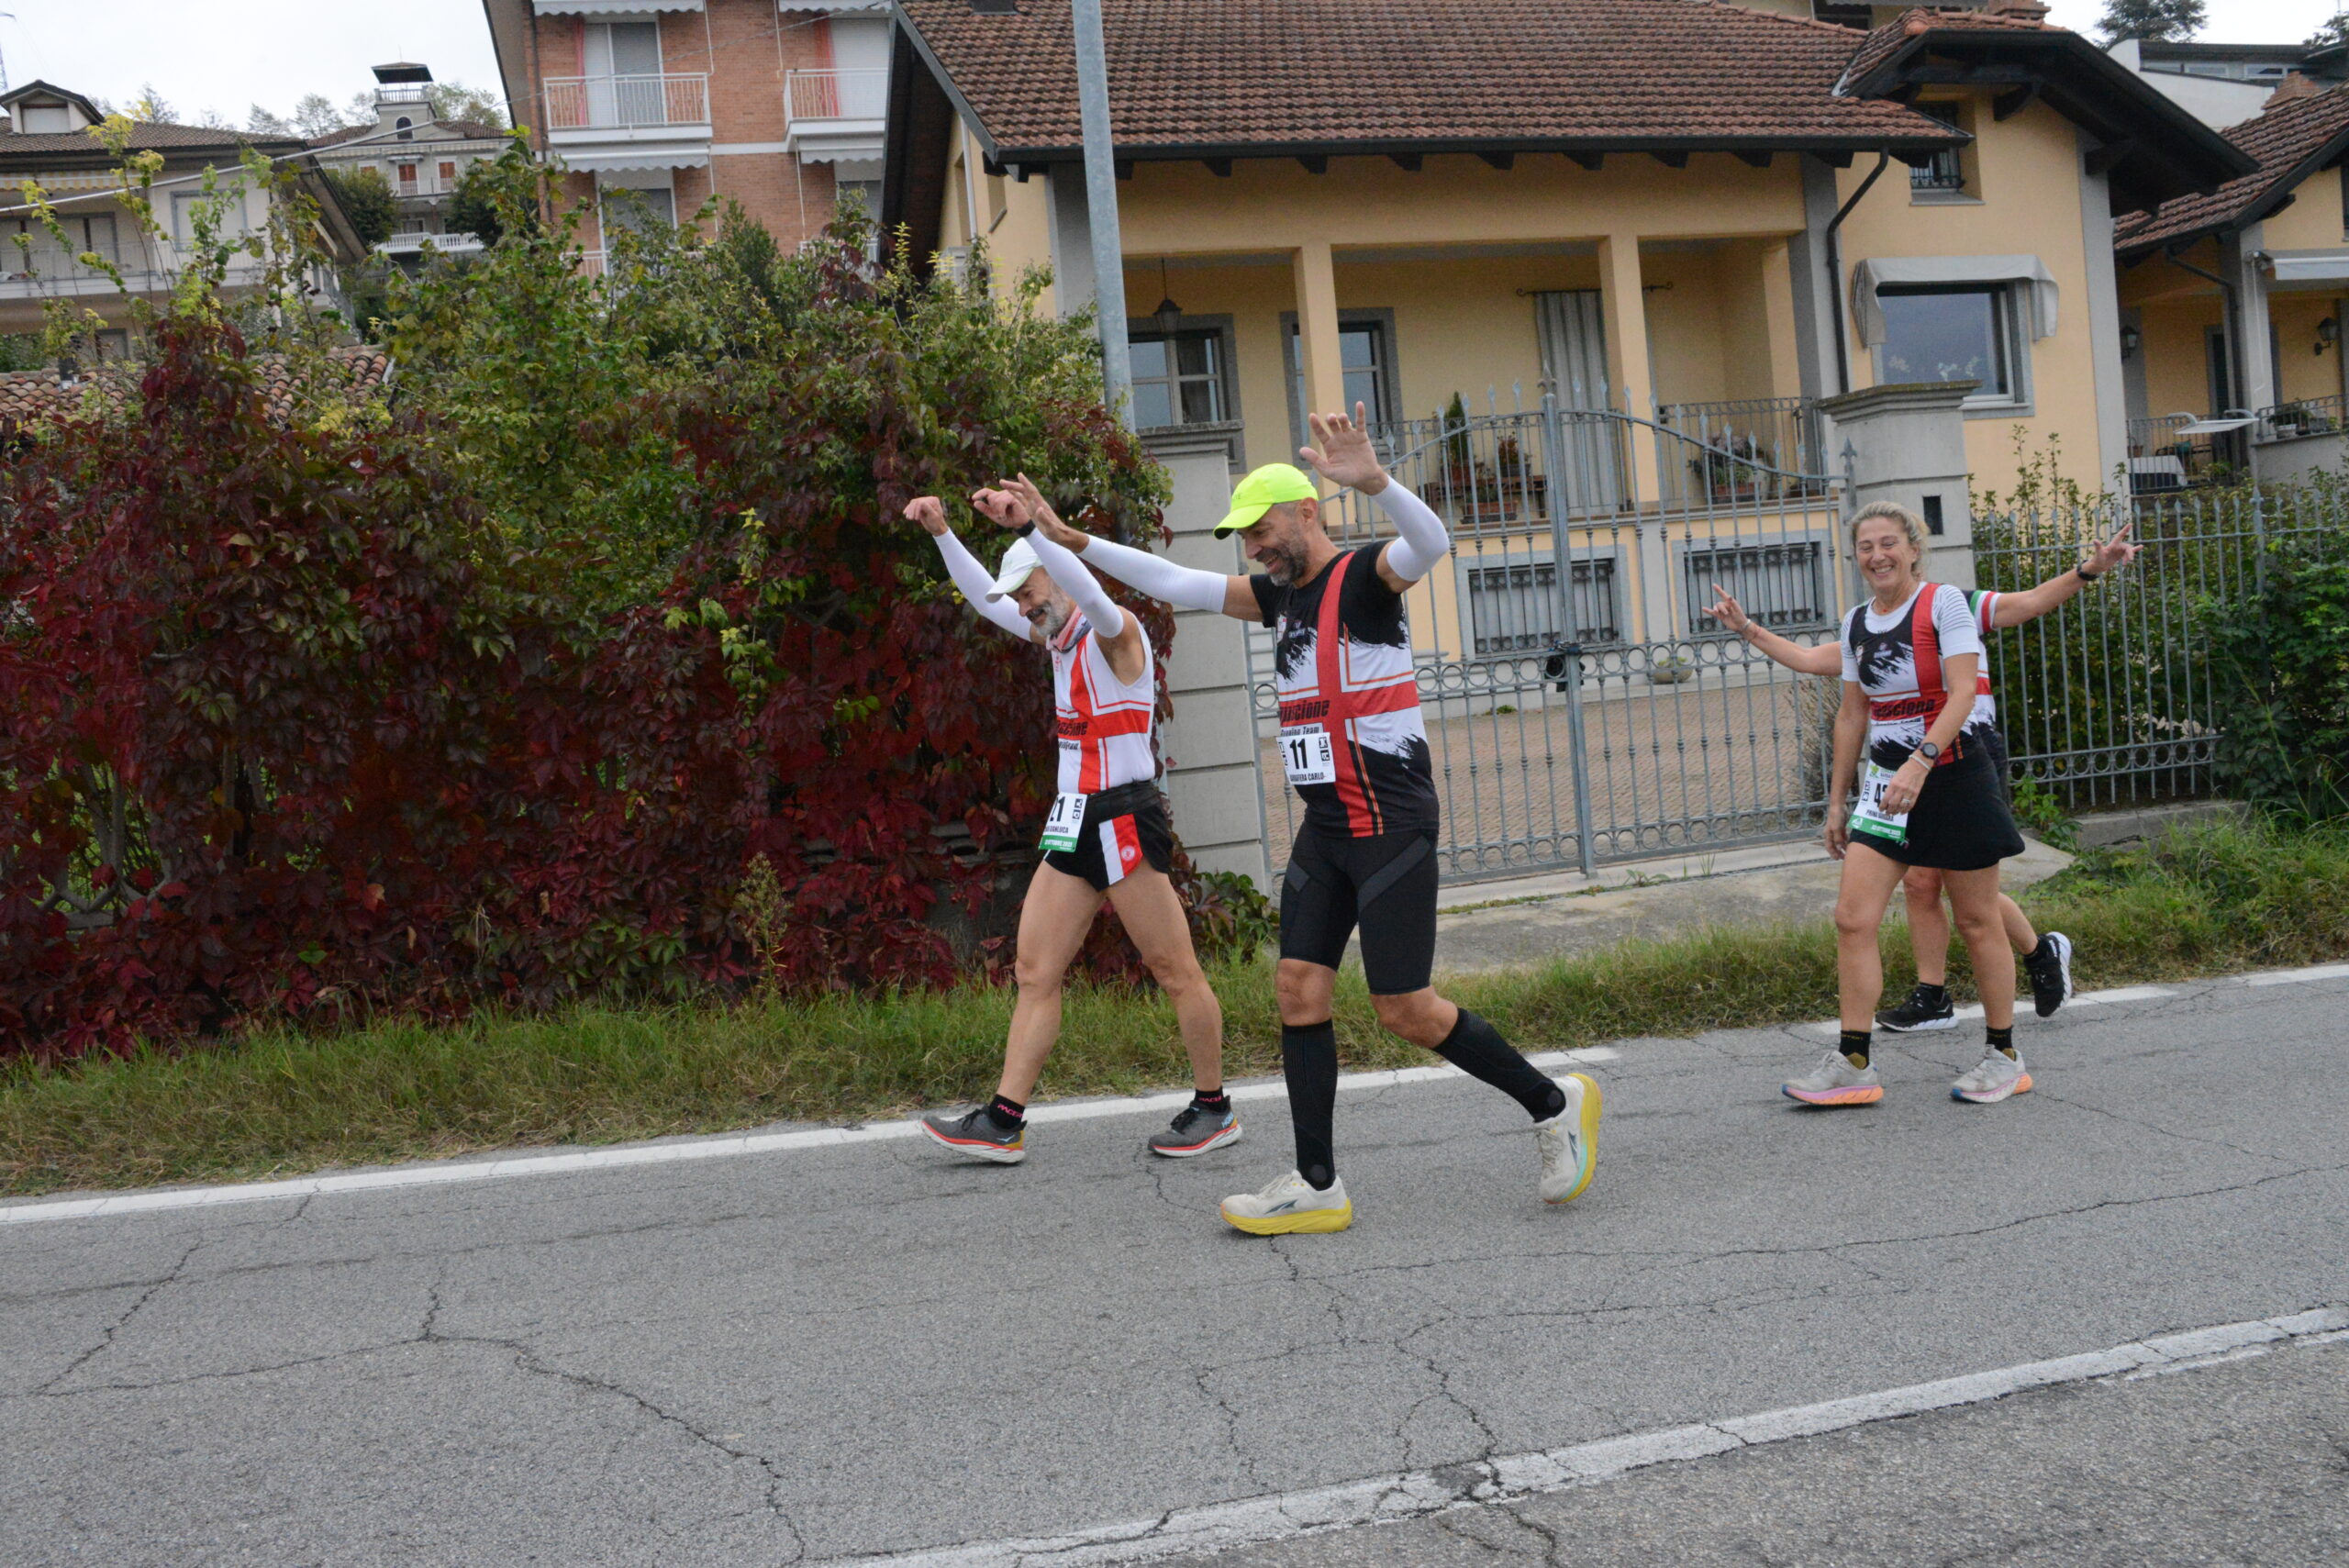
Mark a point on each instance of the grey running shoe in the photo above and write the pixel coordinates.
(1196, 1131)
(1995, 1077)
(1289, 1206)
(1569, 1140)
(1835, 1081)
(1923, 1010)
(2050, 969)
(978, 1136)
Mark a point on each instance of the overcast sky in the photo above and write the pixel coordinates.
(231, 54)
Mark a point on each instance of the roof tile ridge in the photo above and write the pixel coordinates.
(1809, 24)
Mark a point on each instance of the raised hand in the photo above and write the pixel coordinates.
(2106, 554)
(1003, 507)
(1343, 453)
(1048, 521)
(929, 512)
(1728, 611)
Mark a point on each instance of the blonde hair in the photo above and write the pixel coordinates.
(1910, 524)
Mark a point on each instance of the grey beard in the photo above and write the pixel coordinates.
(1055, 617)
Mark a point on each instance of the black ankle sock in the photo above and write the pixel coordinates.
(2001, 1039)
(1309, 1062)
(1477, 1048)
(1008, 1113)
(1854, 1046)
(1211, 1099)
(2040, 951)
(1933, 994)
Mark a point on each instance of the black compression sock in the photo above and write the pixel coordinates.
(1854, 1046)
(1214, 1100)
(1933, 994)
(2001, 1039)
(1309, 1062)
(1007, 1113)
(1477, 1048)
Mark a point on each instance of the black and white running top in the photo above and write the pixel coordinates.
(1897, 661)
(1341, 657)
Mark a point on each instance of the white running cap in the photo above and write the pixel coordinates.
(1019, 564)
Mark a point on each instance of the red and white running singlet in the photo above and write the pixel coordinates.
(1106, 726)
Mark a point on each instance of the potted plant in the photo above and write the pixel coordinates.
(2288, 419)
(1670, 669)
(1729, 468)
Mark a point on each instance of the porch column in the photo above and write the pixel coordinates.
(2254, 337)
(1634, 380)
(1778, 307)
(1317, 327)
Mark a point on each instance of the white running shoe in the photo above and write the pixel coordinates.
(1835, 1081)
(1995, 1077)
(1290, 1206)
(1569, 1140)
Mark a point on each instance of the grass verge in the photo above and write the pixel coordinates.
(2224, 898)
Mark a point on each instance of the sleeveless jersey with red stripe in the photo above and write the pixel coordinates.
(1341, 658)
(1899, 667)
(1107, 726)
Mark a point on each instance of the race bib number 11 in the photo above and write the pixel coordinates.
(1068, 815)
(1306, 756)
(1869, 816)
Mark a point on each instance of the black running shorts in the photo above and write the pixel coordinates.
(1960, 821)
(1125, 830)
(1386, 882)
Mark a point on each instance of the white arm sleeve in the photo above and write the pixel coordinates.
(973, 579)
(1185, 587)
(1422, 540)
(1079, 584)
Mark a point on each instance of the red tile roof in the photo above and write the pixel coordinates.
(2288, 139)
(144, 137)
(1325, 75)
(29, 396)
(1907, 29)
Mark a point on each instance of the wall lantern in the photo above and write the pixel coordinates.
(2328, 332)
(2130, 342)
(1168, 313)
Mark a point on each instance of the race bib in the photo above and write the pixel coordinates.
(1307, 755)
(1061, 827)
(1869, 816)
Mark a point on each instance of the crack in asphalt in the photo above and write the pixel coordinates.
(107, 1335)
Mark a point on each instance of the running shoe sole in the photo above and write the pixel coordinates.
(976, 1149)
(1884, 1021)
(2021, 1086)
(1857, 1094)
(1216, 1140)
(1590, 1119)
(1301, 1222)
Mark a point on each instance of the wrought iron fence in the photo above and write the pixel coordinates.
(1581, 706)
(2303, 417)
(2114, 697)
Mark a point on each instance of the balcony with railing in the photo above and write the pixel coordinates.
(835, 115)
(669, 106)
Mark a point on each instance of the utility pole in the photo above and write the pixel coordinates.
(1101, 207)
(4, 58)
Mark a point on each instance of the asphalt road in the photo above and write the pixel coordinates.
(870, 1348)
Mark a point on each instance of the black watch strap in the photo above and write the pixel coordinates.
(1023, 530)
(2086, 575)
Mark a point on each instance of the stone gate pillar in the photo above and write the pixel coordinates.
(1906, 443)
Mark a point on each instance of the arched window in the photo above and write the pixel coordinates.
(402, 125)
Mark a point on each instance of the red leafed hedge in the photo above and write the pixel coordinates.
(290, 726)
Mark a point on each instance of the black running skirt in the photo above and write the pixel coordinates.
(1960, 821)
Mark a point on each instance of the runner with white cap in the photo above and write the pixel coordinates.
(1107, 833)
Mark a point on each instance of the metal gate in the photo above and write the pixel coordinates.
(1581, 706)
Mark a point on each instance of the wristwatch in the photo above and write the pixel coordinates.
(1023, 530)
(1930, 751)
(2086, 575)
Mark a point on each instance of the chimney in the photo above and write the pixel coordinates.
(2019, 10)
(2296, 85)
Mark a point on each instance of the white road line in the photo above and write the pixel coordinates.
(2084, 999)
(724, 1147)
(1388, 1499)
(2299, 976)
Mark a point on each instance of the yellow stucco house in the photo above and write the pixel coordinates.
(2232, 304)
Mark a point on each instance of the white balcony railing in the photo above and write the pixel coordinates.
(626, 102)
(836, 95)
(425, 186)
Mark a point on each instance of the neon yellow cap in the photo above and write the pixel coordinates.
(1267, 487)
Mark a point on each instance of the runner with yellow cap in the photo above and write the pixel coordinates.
(1107, 833)
(1354, 745)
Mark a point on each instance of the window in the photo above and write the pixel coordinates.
(402, 125)
(448, 170)
(407, 174)
(227, 207)
(44, 119)
(1963, 333)
(1947, 170)
(638, 210)
(1179, 379)
(1361, 354)
(27, 246)
(1516, 609)
(1779, 584)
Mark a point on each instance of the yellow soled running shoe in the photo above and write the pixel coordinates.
(1569, 1140)
(1290, 1206)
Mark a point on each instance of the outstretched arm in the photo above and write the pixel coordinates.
(963, 567)
(2030, 603)
(1824, 659)
(1185, 587)
(1343, 454)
